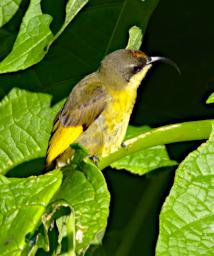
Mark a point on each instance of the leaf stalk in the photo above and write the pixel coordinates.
(187, 131)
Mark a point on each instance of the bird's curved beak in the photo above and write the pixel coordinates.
(163, 59)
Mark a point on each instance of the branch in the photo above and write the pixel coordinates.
(188, 131)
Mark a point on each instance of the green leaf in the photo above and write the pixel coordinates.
(66, 227)
(135, 38)
(58, 213)
(187, 216)
(145, 160)
(7, 9)
(35, 36)
(84, 189)
(210, 99)
(22, 203)
(25, 124)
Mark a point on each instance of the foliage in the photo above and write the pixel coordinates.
(7, 9)
(26, 122)
(23, 201)
(35, 36)
(186, 220)
(65, 211)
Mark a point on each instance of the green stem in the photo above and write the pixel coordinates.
(188, 131)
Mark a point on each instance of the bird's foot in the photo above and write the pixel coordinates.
(123, 145)
(95, 160)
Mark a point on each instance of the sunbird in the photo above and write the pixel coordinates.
(97, 111)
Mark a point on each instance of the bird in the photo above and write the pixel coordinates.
(98, 109)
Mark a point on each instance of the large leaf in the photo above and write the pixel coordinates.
(25, 124)
(187, 216)
(7, 9)
(35, 36)
(22, 203)
(145, 160)
(84, 188)
(85, 194)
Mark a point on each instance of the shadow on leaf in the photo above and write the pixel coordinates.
(26, 169)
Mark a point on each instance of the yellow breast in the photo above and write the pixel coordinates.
(116, 118)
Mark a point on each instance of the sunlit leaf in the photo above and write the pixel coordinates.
(85, 190)
(35, 36)
(22, 203)
(25, 124)
(187, 216)
(7, 9)
(135, 38)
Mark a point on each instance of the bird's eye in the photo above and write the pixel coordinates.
(136, 69)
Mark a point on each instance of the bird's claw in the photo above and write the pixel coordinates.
(123, 145)
(95, 160)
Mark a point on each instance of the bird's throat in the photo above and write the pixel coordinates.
(136, 79)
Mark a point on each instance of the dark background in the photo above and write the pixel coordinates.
(181, 30)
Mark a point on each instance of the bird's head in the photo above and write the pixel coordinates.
(120, 68)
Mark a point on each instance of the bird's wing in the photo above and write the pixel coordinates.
(85, 103)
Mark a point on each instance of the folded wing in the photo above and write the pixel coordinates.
(85, 103)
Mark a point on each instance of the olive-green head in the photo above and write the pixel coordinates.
(121, 67)
(118, 67)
